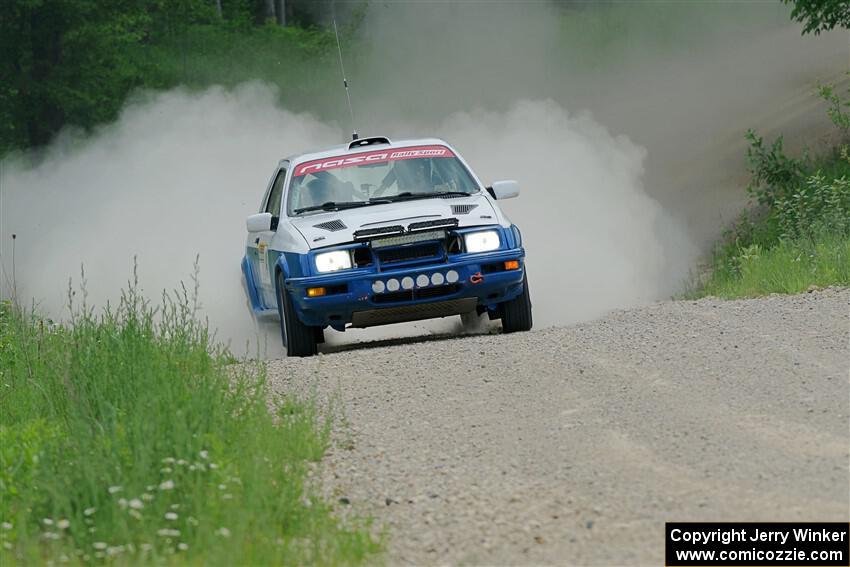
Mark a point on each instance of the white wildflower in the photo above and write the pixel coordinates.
(191, 521)
(92, 530)
(63, 524)
(170, 516)
(204, 455)
(64, 558)
(6, 526)
(7, 545)
(89, 511)
(136, 514)
(147, 497)
(182, 546)
(191, 467)
(122, 502)
(136, 504)
(167, 485)
(47, 522)
(114, 489)
(227, 496)
(168, 460)
(181, 462)
(223, 532)
(175, 506)
(115, 550)
(222, 487)
(150, 487)
(165, 470)
(51, 535)
(145, 547)
(168, 532)
(99, 545)
(213, 466)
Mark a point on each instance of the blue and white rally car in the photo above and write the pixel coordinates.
(378, 232)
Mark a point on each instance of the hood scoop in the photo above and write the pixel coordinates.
(462, 209)
(331, 226)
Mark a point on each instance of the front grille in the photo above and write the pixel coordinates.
(413, 294)
(423, 251)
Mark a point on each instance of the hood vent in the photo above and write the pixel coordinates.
(462, 209)
(331, 226)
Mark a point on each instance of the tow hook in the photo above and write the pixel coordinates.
(476, 278)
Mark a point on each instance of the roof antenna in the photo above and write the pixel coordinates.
(354, 135)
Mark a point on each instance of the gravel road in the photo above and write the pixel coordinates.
(574, 445)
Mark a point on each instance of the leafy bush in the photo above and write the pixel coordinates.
(800, 233)
(818, 206)
(773, 174)
(128, 438)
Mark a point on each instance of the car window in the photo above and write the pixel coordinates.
(273, 204)
(379, 173)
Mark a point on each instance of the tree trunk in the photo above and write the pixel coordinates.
(269, 4)
(218, 7)
(280, 12)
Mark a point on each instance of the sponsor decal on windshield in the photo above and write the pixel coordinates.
(379, 156)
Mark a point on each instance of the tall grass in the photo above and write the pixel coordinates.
(128, 438)
(790, 266)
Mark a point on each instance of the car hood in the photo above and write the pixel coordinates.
(338, 227)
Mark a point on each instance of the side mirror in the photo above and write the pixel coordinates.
(504, 189)
(261, 222)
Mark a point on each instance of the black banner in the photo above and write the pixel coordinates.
(814, 544)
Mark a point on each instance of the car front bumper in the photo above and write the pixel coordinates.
(351, 300)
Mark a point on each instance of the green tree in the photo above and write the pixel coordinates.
(821, 15)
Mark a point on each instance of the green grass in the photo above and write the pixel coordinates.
(787, 267)
(799, 237)
(127, 438)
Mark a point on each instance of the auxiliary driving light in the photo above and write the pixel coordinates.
(392, 284)
(378, 286)
(422, 280)
(512, 264)
(437, 278)
(407, 283)
(452, 276)
(315, 291)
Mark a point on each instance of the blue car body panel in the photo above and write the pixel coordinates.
(479, 276)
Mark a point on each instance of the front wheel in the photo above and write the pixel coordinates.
(298, 339)
(516, 313)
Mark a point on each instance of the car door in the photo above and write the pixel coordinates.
(258, 244)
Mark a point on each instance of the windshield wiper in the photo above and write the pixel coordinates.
(334, 206)
(407, 195)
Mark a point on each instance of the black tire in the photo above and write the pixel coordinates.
(516, 313)
(298, 339)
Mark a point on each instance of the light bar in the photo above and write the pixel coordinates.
(408, 238)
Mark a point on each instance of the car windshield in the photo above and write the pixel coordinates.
(377, 177)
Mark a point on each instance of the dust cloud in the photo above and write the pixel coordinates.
(172, 179)
(601, 122)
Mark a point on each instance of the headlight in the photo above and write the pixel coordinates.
(483, 241)
(333, 261)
